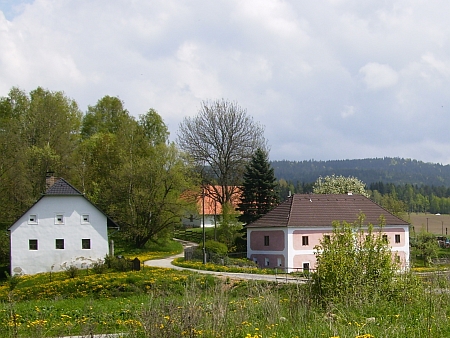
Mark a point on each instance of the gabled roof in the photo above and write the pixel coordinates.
(62, 187)
(314, 210)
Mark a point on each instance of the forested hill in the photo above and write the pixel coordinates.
(369, 170)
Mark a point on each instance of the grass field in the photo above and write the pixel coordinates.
(168, 303)
(436, 224)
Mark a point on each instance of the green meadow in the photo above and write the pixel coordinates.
(158, 302)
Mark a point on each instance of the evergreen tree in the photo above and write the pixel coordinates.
(259, 195)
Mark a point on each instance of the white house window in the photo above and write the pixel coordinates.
(397, 238)
(86, 243)
(278, 261)
(33, 244)
(32, 219)
(59, 243)
(266, 261)
(59, 219)
(305, 240)
(85, 219)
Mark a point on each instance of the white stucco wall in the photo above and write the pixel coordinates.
(197, 221)
(46, 231)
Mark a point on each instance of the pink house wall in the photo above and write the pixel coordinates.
(275, 261)
(276, 240)
(307, 258)
(314, 237)
(391, 232)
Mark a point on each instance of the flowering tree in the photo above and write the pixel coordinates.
(339, 185)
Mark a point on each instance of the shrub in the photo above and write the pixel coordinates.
(12, 280)
(353, 264)
(71, 271)
(118, 263)
(216, 247)
(99, 266)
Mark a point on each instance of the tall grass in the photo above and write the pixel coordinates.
(168, 303)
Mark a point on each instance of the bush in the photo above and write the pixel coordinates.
(99, 266)
(71, 271)
(216, 247)
(118, 263)
(353, 264)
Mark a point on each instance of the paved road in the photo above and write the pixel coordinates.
(167, 263)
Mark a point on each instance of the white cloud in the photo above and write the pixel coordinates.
(347, 111)
(321, 76)
(377, 76)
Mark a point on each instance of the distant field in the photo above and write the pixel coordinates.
(437, 224)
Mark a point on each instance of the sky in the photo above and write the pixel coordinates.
(329, 80)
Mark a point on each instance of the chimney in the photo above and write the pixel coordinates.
(49, 179)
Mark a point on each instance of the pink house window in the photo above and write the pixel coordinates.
(305, 240)
(397, 238)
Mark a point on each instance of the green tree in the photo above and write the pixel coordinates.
(354, 263)
(221, 138)
(259, 195)
(154, 127)
(339, 185)
(425, 245)
(108, 115)
(229, 230)
(39, 132)
(131, 171)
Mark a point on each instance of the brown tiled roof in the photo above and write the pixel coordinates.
(306, 210)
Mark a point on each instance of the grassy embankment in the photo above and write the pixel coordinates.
(168, 303)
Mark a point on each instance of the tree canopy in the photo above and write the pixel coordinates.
(221, 139)
(126, 166)
(339, 185)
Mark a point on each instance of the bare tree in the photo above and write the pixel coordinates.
(221, 139)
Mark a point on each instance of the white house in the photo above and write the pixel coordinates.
(208, 208)
(61, 229)
(286, 236)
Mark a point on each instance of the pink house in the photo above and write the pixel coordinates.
(286, 236)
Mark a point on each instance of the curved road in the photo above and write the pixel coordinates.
(167, 263)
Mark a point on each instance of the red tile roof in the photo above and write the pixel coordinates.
(212, 207)
(306, 210)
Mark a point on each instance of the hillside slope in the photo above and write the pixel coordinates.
(370, 170)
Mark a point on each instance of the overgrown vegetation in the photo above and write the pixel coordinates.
(354, 263)
(168, 303)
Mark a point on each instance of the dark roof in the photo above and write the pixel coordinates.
(306, 210)
(62, 187)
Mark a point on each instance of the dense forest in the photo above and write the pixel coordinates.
(397, 184)
(369, 170)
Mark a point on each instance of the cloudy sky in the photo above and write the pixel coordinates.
(336, 79)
